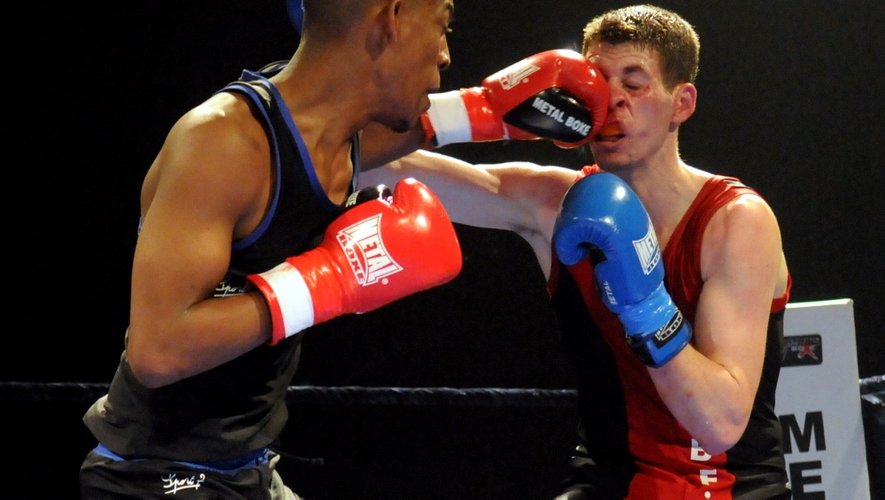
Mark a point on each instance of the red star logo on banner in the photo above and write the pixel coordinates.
(807, 351)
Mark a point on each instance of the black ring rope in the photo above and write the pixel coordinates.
(432, 396)
(484, 397)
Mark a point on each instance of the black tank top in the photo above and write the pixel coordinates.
(239, 406)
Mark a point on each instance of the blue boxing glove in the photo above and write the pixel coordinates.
(602, 217)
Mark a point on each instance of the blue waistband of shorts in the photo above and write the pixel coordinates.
(257, 457)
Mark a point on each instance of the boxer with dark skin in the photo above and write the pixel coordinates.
(237, 252)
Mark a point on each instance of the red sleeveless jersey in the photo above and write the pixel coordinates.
(670, 464)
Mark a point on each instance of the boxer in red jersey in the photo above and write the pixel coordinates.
(695, 420)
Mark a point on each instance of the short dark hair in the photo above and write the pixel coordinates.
(648, 26)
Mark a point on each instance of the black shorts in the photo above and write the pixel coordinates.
(104, 475)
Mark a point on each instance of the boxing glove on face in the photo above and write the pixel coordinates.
(380, 250)
(556, 95)
(602, 215)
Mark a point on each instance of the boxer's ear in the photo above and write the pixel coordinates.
(685, 98)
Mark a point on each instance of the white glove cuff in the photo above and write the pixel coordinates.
(449, 118)
(289, 300)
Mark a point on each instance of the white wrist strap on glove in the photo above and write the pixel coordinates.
(289, 299)
(449, 118)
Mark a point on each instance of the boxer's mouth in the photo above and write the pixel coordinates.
(611, 132)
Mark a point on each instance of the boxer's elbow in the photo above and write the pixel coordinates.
(152, 366)
(722, 435)
(715, 445)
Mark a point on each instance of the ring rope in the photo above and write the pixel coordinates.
(485, 397)
(478, 397)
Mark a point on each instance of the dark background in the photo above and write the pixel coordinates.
(790, 101)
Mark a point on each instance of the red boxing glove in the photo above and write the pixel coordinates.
(556, 95)
(375, 253)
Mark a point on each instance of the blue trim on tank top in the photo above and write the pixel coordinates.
(250, 92)
(309, 168)
(251, 459)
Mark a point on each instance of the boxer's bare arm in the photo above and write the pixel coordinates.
(196, 197)
(517, 196)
